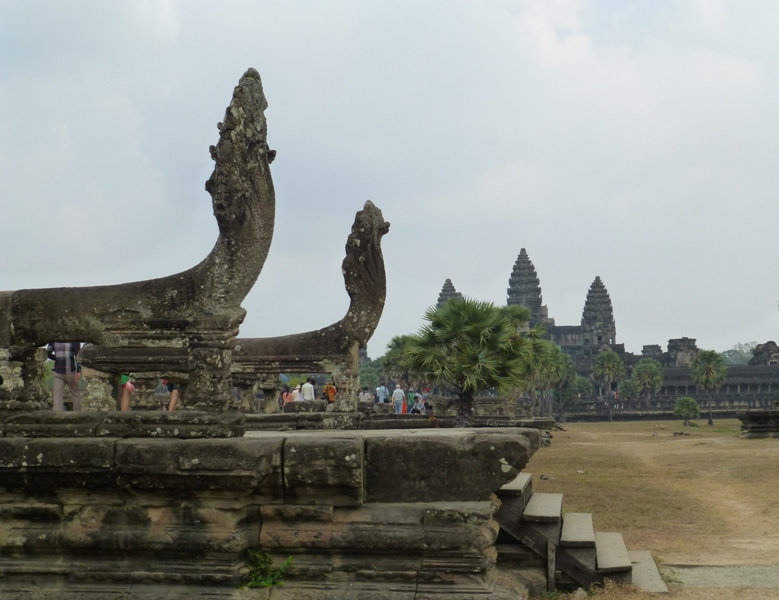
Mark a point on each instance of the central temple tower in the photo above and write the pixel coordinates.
(525, 290)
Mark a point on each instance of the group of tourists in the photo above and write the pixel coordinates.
(67, 372)
(307, 391)
(408, 401)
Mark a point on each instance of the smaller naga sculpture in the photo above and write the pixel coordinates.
(334, 349)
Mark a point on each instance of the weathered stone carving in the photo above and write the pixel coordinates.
(257, 362)
(765, 354)
(197, 311)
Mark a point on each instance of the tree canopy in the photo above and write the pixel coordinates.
(473, 345)
(740, 354)
(686, 408)
(648, 375)
(629, 390)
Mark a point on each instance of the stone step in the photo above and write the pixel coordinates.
(645, 574)
(612, 555)
(544, 508)
(520, 487)
(577, 531)
(579, 564)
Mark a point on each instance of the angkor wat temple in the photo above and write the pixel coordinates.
(747, 386)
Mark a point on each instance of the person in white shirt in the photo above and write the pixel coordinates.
(398, 399)
(365, 395)
(308, 391)
(382, 393)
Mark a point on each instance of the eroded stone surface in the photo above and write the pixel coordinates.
(470, 466)
(126, 511)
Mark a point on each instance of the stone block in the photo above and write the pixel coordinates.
(330, 420)
(456, 464)
(11, 406)
(379, 529)
(382, 407)
(272, 422)
(220, 464)
(178, 424)
(323, 470)
(47, 423)
(54, 463)
(393, 421)
(306, 406)
(295, 535)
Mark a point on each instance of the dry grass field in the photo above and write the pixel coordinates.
(709, 498)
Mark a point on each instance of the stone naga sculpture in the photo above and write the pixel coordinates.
(334, 349)
(197, 311)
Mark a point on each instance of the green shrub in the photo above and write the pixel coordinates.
(261, 570)
(687, 408)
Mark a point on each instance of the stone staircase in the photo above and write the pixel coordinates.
(536, 533)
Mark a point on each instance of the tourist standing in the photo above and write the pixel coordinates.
(286, 396)
(296, 397)
(308, 391)
(398, 399)
(329, 392)
(365, 395)
(67, 371)
(127, 389)
(382, 393)
(410, 399)
(173, 390)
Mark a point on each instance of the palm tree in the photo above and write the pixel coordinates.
(709, 372)
(473, 345)
(563, 393)
(648, 375)
(608, 368)
(393, 364)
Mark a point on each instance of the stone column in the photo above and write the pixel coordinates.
(31, 373)
(271, 388)
(98, 395)
(348, 385)
(248, 394)
(210, 381)
(144, 397)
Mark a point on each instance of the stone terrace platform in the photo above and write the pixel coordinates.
(398, 515)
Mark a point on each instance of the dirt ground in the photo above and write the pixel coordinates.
(707, 498)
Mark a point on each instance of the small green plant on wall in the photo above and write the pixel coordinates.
(261, 570)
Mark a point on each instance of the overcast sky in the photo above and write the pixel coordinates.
(637, 141)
